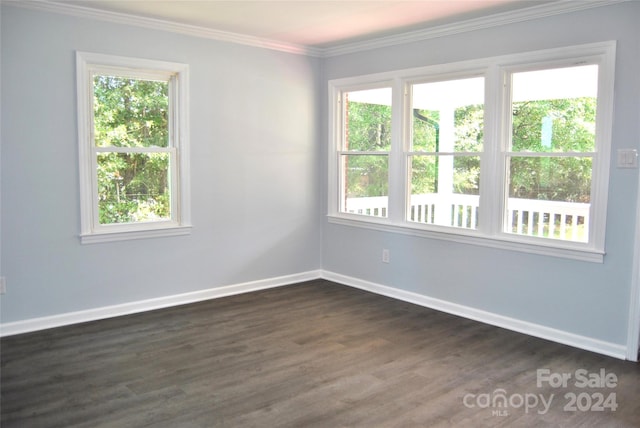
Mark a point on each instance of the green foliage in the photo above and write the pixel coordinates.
(468, 137)
(571, 129)
(368, 129)
(573, 125)
(424, 175)
(133, 187)
(367, 176)
(551, 179)
(426, 130)
(131, 113)
(469, 130)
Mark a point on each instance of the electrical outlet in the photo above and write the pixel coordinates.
(3, 285)
(385, 256)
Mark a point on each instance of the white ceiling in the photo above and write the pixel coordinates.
(311, 23)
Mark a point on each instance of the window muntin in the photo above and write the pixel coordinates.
(447, 121)
(133, 146)
(552, 117)
(364, 152)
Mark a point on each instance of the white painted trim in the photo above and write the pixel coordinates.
(163, 25)
(532, 329)
(633, 322)
(177, 76)
(43, 323)
(537, 330)
(496, 20)
(524, 244)
(505, 18)
(633, 328)
(494, 69)
(124, 235)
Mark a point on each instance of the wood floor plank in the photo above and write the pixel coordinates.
(316, 354)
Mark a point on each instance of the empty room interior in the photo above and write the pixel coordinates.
(319, 213)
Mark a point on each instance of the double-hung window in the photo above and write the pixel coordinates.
(132, 121)
(445, 145)
(365, 143)
(551, 149)
(510, 152)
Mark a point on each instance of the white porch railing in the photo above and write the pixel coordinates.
(552, 219)
(457, 210)
(375, 206)
(560, 220)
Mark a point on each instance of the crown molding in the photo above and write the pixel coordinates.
(505, 18)
(163, 25)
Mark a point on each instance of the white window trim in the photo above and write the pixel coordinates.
(490, 233)
(340, 132)
(180, 224)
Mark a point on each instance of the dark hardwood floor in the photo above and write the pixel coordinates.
(316, 354)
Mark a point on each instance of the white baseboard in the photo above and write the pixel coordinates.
(587, 343)
(35, 324)
(537, 330)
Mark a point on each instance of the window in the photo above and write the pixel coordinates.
(133, 145)
(510, 152)
(551, 152)
(446, 142)
(364, 152)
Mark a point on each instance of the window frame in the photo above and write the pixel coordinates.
(177, 75)
(341, 139)
(490, 231)
(408, 151)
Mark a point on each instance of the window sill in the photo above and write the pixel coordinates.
(131, 234)
(523, 244)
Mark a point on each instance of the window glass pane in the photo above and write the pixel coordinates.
(368, 120)
(133, 187)
(130, 112)
(444, 190)
(366, 181)
(555, 179)
(549, 197)
(555, 110)
(448, 116)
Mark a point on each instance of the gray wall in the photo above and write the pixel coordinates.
(254, 172)
(258, 144)
(577, 297)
